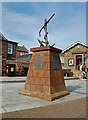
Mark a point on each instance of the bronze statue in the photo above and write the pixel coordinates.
(45, 36)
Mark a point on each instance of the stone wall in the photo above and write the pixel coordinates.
(0, 57)
(5, 54)
(21, 67)
(4, 50)
(87, 63)
(3, 67)
(0, 65)
(0, 48)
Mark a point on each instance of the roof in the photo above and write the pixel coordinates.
(22, 49)
(73, 45)
(25, 57)
(4, 39)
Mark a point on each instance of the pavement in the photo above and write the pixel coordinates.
(12, 101)
(12, 79)
(23, 78)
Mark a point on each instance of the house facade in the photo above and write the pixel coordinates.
(8, 52)
(75, 57)
(9, 66)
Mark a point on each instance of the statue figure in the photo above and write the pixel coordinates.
(45, 36)
(41, 45)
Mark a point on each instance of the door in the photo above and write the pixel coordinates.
(78, 61)
(10, 69)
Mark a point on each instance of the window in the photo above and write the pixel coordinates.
(71, 62)
(9, 48)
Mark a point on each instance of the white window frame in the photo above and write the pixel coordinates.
(9, 48)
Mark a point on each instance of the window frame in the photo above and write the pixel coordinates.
(10, 48)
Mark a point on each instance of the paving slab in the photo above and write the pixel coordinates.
(13, 101)
(23, 79)
(13, 79)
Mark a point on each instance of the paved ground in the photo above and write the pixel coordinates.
(13, 101)
(22, 79)
(71, 109)
(12, 79)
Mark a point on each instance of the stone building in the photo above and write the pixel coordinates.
(75, 58)
(21, 50)
(8, 52)
(9, 66)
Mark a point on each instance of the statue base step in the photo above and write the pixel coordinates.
(49, 97)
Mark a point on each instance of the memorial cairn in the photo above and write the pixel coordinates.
(45, 78)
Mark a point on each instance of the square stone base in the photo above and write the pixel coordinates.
(49, 97)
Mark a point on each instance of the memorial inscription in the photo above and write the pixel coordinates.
(39, 62)
(55, 63)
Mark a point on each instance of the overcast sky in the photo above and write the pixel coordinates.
(21, 22)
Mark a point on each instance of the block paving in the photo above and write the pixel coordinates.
(70, 109)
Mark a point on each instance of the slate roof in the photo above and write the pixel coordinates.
(22, 49)
(73, 45)
(25, 57)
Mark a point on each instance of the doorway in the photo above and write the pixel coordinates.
(10, 69)
(78, 61)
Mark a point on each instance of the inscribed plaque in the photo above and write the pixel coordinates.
(55, 63)
(39, 62)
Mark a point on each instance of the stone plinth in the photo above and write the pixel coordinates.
(45, 78)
